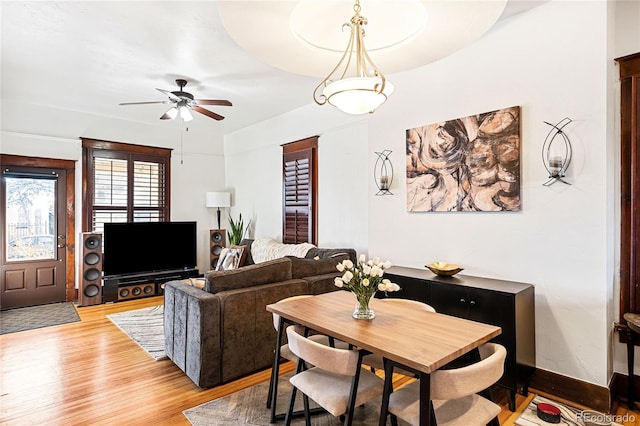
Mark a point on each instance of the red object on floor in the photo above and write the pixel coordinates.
(548, 413)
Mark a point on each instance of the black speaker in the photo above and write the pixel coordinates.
(217, 241)
(90, 291)
(136, 291)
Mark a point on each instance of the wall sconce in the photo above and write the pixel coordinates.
(556, 153)
(383, 173)
(217, 200)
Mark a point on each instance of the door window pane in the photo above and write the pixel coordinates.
(30, 224)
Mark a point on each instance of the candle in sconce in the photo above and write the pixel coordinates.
(555, 165)
(384, 182)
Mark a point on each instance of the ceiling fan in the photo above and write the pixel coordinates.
(183, 104)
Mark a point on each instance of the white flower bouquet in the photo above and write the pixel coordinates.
(364, 279)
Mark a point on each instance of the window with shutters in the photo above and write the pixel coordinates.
(299, 180)
(124, 183)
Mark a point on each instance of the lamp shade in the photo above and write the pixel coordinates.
(218, 199)
(357, 95)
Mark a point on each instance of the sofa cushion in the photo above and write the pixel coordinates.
(263, 273)
(301, 268)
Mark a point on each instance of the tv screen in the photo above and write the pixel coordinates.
(139, 247)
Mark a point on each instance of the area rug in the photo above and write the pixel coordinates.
(21, 319)
(248, 407)
(570, 416)
(145, 327)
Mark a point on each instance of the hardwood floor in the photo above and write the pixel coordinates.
(91, 373)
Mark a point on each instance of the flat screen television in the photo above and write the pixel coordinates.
(145, 247)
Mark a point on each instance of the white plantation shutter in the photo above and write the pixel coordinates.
(299, 191)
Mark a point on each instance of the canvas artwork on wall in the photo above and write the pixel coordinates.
(467, 164)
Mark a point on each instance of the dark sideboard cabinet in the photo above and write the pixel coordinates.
(509, 305)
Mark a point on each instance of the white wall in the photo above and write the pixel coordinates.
(552, 65)
(254, 172)
(197, 164)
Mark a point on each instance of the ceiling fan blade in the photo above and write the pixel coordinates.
(208, 113)
(169, 94)
(144, 103)
(222, 102)
(165, 116)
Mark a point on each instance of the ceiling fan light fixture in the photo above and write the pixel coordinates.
(349, 87)
(172, 113)
(185, 114)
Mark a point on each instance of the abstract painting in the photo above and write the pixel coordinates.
(467, 164)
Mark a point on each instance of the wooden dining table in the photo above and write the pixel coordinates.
(406, 335)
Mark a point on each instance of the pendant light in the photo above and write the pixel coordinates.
(355, 85)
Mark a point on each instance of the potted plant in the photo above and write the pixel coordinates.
(237, 230)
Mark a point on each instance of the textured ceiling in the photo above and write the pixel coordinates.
(91, 55)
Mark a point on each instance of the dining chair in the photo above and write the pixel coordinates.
(454, 393)
(336, 382)
(283, 351)
(375, 361)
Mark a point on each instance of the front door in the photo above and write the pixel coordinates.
(34, 236)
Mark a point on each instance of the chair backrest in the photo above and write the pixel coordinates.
(459, 382)
(276, 317)
(338, 361)
(409, 302)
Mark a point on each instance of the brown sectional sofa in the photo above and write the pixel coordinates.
(224, 331)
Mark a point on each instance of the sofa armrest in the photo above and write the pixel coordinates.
(192, 332)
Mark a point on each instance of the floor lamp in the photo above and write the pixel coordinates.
(218, 200)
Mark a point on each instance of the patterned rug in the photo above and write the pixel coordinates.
(145, 327)
(21, 319)
(570, 416)
(248, 407)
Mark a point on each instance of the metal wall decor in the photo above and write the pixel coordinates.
(383, 173)
(556, 152)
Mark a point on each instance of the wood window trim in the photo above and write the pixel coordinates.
(119, 150)
(70, 167)
(303, 148)
(629, 67)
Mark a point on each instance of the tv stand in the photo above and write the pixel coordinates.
(125, 287)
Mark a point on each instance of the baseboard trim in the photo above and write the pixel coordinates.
(570, 389)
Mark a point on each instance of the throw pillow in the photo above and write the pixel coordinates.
(243, 254)
(229, 259)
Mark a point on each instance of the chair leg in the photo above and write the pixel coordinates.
(292, 401)
(388, 388)
(307, 414)
(494, 422)
(394, 420)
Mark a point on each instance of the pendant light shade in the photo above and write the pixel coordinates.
(355, 85)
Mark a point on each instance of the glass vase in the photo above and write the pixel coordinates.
(362, 309)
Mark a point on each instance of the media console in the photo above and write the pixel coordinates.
(133, 286)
